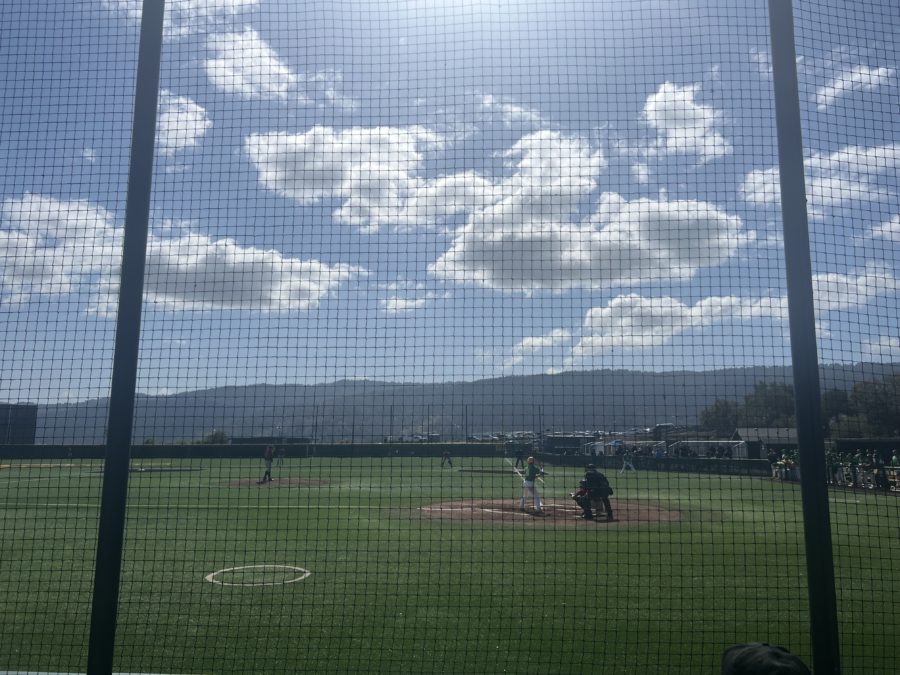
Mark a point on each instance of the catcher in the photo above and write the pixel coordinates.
(583, 499)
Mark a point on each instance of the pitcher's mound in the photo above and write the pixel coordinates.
(557, 513)
(276, 483)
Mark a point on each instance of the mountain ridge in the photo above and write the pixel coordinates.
(367, 410)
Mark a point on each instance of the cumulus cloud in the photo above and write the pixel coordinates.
(181, 123)
(196, 272)
(525, 243)
(856, 78)
(400, 304)
(372, 173)
(889, 230)
(851, 174)
(512, 114)
(186, 17)
(885, 349)
(532, 345)
(763, 61)
(324, 87)
(836, 291)
(52, 247)
(245, 65)
(634, 321)
(683, 126)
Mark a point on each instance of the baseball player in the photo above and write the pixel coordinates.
(268, 456)
(599, 489)
(529, 486)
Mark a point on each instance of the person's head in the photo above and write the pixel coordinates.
(758, 658)
(530, 460)
(590, 467)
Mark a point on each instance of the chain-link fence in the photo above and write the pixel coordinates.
(408, 269)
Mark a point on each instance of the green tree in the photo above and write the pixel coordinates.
(721, 417)
(215, 437)
(769, 405)
(850, 426)
(879, 403)
(835, 403)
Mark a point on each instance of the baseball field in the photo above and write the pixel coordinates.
(403, 566)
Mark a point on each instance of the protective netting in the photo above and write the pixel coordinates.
(848, 96)
(397, 248)
(67, 80)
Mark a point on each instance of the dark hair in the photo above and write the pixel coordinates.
(757, 658)
(590, 467)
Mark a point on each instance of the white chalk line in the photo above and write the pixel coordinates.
(303, 574)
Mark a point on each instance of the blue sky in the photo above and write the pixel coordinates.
(439, 190)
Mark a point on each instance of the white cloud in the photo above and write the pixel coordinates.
(187, 17)
(510, 113)
(524, 242)
(535, 344)
(885, 349)
(326, 87)
(857, 78)
(243, 64)
(634, 321)
(682, 125)
(763, 61)
(641, 173)
(889, 230)
(181, 123)
(372, 172)
(89, 155)
(51, 247)
(851, 174)
(246, 66)
(396, 305)
(195, 272)
(430, 201)
(834, 291)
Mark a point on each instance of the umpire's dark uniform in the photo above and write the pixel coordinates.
(598, 488)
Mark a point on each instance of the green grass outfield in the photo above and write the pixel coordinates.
(393, 591)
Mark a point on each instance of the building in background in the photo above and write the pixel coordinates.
(18, 423)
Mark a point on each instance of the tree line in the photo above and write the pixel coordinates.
(867, 410)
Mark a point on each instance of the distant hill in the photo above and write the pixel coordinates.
(365, 410)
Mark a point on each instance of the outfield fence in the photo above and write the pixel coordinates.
(291, 291)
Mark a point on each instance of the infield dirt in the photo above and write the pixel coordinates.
(557, 513)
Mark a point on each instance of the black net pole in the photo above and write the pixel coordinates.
(804, 354)
(128, 323)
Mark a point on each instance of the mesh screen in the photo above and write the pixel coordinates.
(848, 90)
(67, 76)
(397, 248)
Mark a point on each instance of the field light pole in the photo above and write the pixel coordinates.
(804, 355)
(111, 529)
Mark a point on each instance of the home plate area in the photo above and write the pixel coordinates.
(557, 513)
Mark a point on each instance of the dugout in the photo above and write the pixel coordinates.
(759, 440)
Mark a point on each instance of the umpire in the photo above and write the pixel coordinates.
(599, 489)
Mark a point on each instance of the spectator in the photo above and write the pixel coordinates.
(761, 659)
